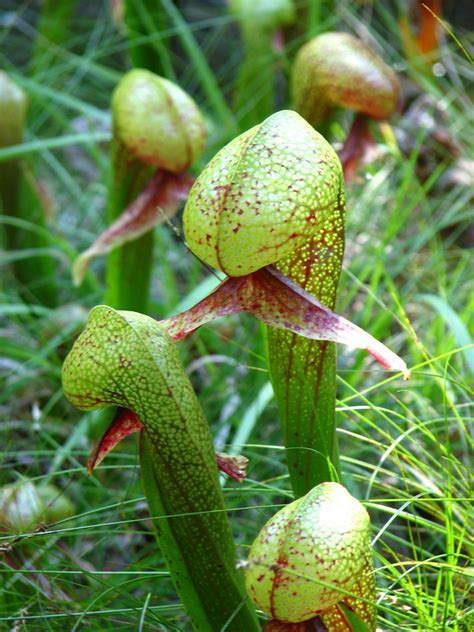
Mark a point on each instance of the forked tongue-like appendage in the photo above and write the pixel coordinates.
(127, 422)
(158, 202)
(277, 301)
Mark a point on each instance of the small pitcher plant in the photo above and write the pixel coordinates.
(158, 132)
(313, 559)
(338, 70)
(267, 211)
(25, 506)
(128, 360)
(275, 197)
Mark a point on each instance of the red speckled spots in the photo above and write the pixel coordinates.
(126, 422)
(282, 576)
(277, 301)
(268, 177)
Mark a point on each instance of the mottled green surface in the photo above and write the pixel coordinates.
(157, 121)
(303, 371)
(127, 359)
(275, 195)
(262, 196)
(308, 552)
(339, 70)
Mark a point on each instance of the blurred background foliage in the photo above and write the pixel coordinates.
(407, 279)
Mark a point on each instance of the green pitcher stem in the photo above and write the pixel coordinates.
(255, 94)
(303, 371)
(256, 83)
(128, 271)
(307, 409)
(21, 199)
(197, 543)
(146, 21)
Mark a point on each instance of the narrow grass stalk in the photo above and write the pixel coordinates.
(53, 32)
(21, 198)
(146, 22)
(210, 87)
(260, 24)
(317, 13)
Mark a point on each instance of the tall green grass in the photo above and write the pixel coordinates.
(406, 446)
